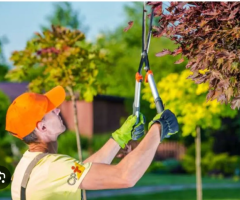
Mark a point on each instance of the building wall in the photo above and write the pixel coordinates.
(107, 115)
(170, 149)
(85, 116)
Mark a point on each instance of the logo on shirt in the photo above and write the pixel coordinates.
(77, 172)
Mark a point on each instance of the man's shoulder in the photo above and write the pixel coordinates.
(46, 160)
(58, 158)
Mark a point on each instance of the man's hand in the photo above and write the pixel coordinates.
(124, 134)
(138, 129)
(168, 121)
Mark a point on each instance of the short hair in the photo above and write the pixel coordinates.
(31, 138)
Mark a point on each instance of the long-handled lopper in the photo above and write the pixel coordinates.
(149, 75)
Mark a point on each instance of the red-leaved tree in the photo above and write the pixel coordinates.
(208, 35)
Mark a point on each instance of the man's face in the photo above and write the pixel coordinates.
(54, 123)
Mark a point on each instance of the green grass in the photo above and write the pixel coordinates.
(160, 179)
(213, 194)
(6, 192)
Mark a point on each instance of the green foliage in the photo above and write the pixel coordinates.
(65, 15)
(221, 164)
(187, 101)
(156, 166)
(99, 140)
(3, 71)
(66, 59)
(68, 139)
(124, 52)
(10, 147)
(2, 57)
(11, 150)
(4, 103)
(3, 65)
(163, 167)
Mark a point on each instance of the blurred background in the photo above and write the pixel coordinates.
(106, 104)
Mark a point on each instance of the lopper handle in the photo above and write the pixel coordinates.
(159, 105)
(138, 131)
(136, 103)
(157, 99)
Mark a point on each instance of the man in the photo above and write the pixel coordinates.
(34, 118)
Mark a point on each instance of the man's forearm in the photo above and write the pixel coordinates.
(136, 163)
(106, 154)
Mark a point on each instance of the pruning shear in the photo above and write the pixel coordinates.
(149, 74)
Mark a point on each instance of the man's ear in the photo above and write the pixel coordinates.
(40, 126)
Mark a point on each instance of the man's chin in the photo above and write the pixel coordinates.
(63, 129)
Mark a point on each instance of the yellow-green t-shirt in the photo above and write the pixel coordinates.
(54, 177)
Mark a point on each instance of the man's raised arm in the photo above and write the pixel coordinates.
(119, 139)
(132, 167)
(129, 170)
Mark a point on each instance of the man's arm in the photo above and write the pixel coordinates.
(129, 170)
(106, 154)
(121, 137)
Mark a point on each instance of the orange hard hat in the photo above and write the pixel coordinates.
(29, 108)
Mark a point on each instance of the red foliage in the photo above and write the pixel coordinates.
(130, 24)
(48, 50)
(208, 34)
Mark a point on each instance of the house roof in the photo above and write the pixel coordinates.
(13, 90)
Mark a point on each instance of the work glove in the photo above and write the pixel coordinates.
(168, 121)
(138, 128)
(132, 128)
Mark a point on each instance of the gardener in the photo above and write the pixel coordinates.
(34, 118)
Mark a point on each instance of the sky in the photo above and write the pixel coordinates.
(19, 20)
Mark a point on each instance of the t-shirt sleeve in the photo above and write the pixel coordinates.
(66, 173)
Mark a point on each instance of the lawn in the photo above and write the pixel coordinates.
(158, 179)
(219, 194)
(163, 179)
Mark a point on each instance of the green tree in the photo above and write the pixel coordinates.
(67, 60)
(3, 65)
(4, 103)
(188, 101)
(124, 52)
(5, 150)
(65, 15)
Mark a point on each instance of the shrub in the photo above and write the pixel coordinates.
(67, 144)
(211, 163)
(156, 167)
(89, 146)
(4, 103)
